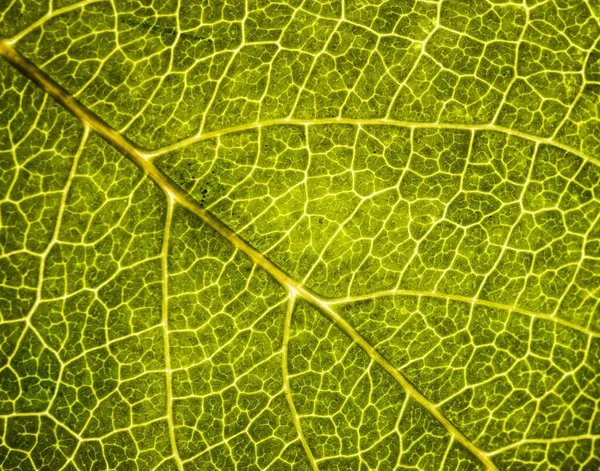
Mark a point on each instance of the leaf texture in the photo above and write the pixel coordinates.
(301, 235)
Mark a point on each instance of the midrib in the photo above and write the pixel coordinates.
(177, 194)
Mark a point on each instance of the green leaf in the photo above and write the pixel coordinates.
(354, 234)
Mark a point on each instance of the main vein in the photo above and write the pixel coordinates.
(177, 194)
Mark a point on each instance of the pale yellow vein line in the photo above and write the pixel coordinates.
(170, 188)
(51, 244)
(286, 381)
(543, 441)
(165, 329)
(366, 122)
(465, 299)
(48, 16)
(448, 448)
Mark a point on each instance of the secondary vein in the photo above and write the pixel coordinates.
(465, 299)
(366, 122)
(286, 382)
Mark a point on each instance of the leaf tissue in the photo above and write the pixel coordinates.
(299, 235)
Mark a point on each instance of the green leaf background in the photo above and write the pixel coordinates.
(304, 234)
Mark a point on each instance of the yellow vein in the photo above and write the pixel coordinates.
(165, 329)
(286, 381)
(465, 299)
(543, 441)
(172, 190)
(366, 122)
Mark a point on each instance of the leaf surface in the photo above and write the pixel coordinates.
(352, 234)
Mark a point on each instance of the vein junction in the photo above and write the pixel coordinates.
(175, 193)
(295, 288)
